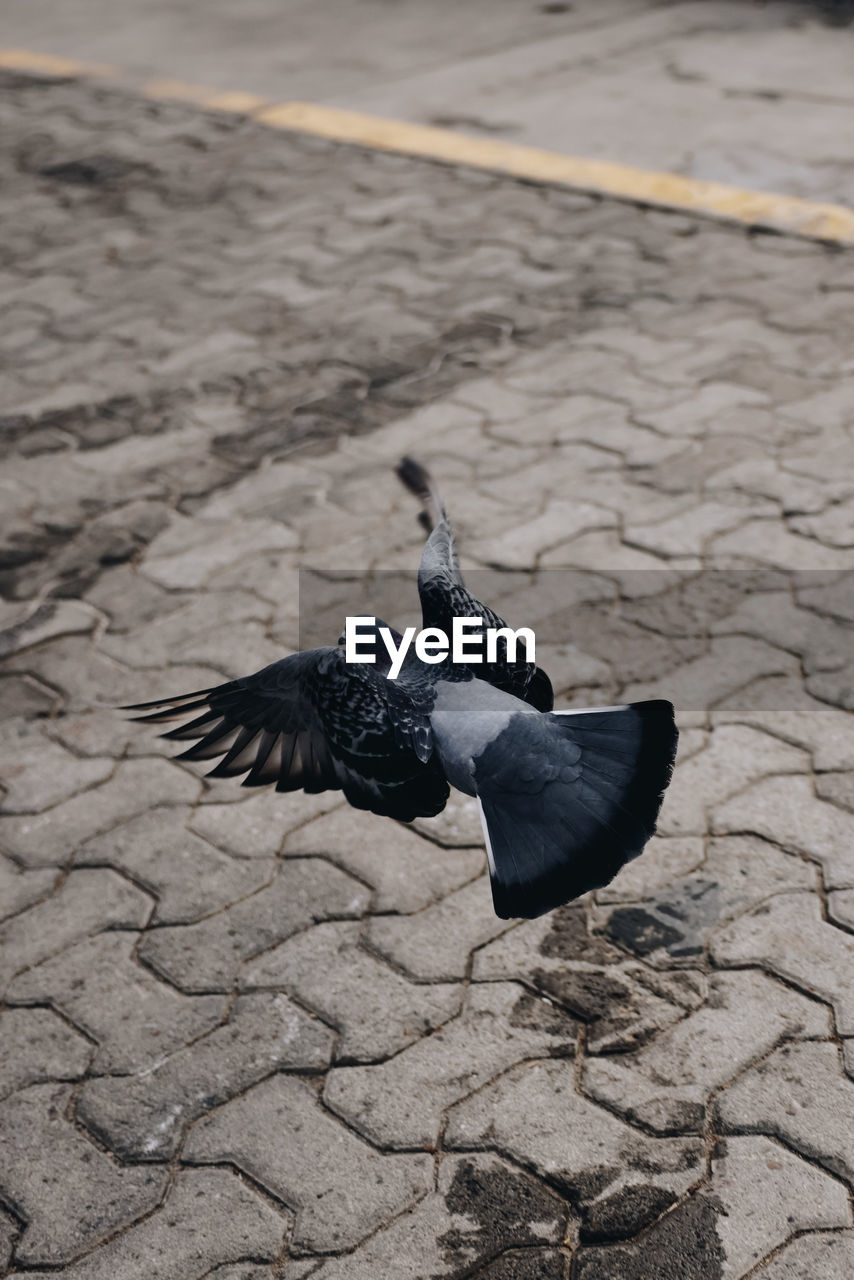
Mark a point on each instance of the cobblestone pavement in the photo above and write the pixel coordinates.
(248, 1036)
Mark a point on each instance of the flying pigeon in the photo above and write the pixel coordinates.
(566, 798)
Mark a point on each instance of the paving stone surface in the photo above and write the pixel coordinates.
(789, 936)
(189, 878)
(799, 1095)
(758, 1195)
(69, 1193)
(617, 1179)
(481, 1207)
(20, 889)
(144, 1115)
(401, 1102)
(207, 955)
(786, 810)
(36, 1046)
(620, 1001)
(677, 921)
(209, 1217)
(341, 1188)
(825, 1254)
(406, 872)
(463, 920)
(88, 901)
(665, 1085)
(135, 1019)
(252, 1036)
(376, 1010)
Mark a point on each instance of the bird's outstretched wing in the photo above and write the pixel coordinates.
(314, 722)
(568, 799)
(444, 595)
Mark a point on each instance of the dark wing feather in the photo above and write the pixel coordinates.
(312, 722)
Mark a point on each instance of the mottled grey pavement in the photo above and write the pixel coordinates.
(755, 94)
(248, 1036)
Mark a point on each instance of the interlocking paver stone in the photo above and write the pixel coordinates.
(20, 889)
(759, 1195)
(736, 755)
(248, 825)
(89, 900)
(143, 1116)
(209, 1216)
(37, 773)
(189, 876)
(175, 636)
(21, 629)
(36, 1046)
(463, 920)
(788, 936)
(527, 1264)
(376, 1009)
(665, 1084)
(787, 810)
(838, 787)
(481, 1205)
(677, 921)
(457, 826)
(664, 860)
(340, 1188)
(614, 1176)
(70, 1194)
(400, 1102)
(782, 706)
(206, 956)
(723, 671)
(800, 1096)
(407, 872)
(137, 785)
(840, 908)
(242, 1271)
(135, 1018)
(620, 1002)
(522, 546)
(9, 1233)
(173, 564)
(829, 1255)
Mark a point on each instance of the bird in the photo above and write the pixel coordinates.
(566, 797)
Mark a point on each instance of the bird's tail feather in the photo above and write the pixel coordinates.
(607, 772)
(417, 479)
(440, 551)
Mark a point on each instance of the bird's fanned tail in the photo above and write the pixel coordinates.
(569, 798)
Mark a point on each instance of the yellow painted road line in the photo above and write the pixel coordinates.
(47, 64)
(602, 177)
(787, 214)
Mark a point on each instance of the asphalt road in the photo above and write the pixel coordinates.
(760, 95)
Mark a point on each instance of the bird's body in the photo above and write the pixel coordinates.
(566, 798)
(465, 718)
